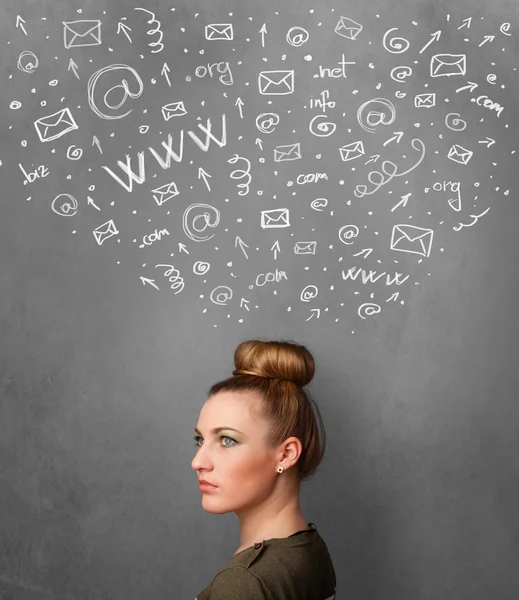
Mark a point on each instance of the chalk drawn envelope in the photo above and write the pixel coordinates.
(276, 83)
(415, 240)
(105, 231)
(460, 154)
(55, 125)
(445, 65)
(348, 29)
(425, 100)
(175, 109)
(278, 217)
(219, 31)
(288, 152)
(165, 193)
(352, 151)
(305, 247)
(77, 34)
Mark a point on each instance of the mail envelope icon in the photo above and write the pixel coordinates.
(305, 247)
(352, 151)
(219, 31)
(55, 125)
(175, 109)
(348, 28)
(77, 34)
(288, 152)
(276, 83)
(105, 231)
(460, 154)
(445, 65)
(278, 217)
(415, 240)
(425, 100)
(165, 193)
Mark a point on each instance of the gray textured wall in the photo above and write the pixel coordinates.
(106, 357)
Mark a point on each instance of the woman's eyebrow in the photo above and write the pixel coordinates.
(218, 429)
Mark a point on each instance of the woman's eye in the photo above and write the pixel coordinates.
(197, 439)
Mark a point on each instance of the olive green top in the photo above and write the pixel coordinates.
(297, 567)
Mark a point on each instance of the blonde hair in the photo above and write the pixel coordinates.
(278, 371)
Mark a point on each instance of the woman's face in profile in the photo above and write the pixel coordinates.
(236, 459)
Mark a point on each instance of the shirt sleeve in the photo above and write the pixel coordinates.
(237, 583)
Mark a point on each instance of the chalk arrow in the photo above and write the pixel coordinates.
(125, 29)
(434, 38)
(239, 104)
(149, 282)
(243, 303)
(393, 297)
(92, 203)
(242, 245)
(165, 71)
(403, 202)
(487, 38)
(263, 32)
(260, 143)
(204, 175)
(373, 159)
(182, 248)
(368, 250)
(276, 249)
(466, 23)
(73, 67)
(489, 142)
(96, 142)
(397, 135)
(471, 86)
(20, 22)
(314, 310)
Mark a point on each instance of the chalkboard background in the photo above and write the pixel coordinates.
(296, 220)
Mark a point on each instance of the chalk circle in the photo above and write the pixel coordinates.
(65, 205)
(43, 103)
(15, 105)
(309, 293)
(347, 233)
(144, 128)
(454, 122)
(396, 45)
(368, 309)
(401, 73)
(319, 203)
(91, 188)
(28, 62)
(201, 267)
(221, 295)
(74, 153)
(54, 82)
(297, 36)
(24, 143)
(492, 78)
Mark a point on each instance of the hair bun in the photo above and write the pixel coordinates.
(283, 360)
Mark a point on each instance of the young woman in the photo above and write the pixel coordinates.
(258, 439)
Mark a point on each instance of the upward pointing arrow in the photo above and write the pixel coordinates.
(396, 137)
(165, 71)
(72, 66)
(434, 38)
(204, 175)
(125, 29)
(239, 103)
(20, 22)
(263, 32)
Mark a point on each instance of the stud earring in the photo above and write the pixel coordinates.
(280, 469)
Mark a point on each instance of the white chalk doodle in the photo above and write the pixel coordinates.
(91, 88)
(221, 295)
(276, 83)
(15, 105)
(311, 178)
(157, 45)
(276, 277)
(74, 153)
(275, 218)
(396, 45)
(323, 128)
(202, 174)
(488, 103)
(323, 101)
(492, 78)
(105, 232)
(31, 176)
(401, 73)
(448, 65)
(412, 239)
(165, 192)
(505, 28)
(454, 122)
(79, 34)
(319, 204)
(475, 220)
(374, 118)
(297, 36)
(337, 72)
(348, 28)
(151, 238)
(374, 276)
(201, 267)
(27, 62)
(427, 100)
(368, 309)
(174, 109)
(266, 122)
(65, 205)
(309, 293)
(434, 38)
(219, 31)
(460, 154)
(347, 233)
(352, 151)
(241, 174)
(174, 277)
(287, 152)
(305, 247)
(222, 67)
(189, 223)
(55, 126)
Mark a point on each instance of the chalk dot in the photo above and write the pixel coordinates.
(308, 57)
(341, 182)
